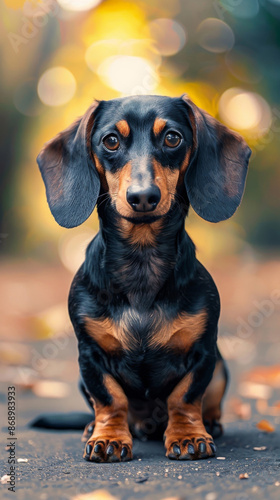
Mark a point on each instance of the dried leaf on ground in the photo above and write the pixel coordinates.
(265, 426)
(244, 476)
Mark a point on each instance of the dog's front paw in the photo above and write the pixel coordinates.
(189, 446)
(108, 449)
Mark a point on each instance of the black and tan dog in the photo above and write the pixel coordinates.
(144, 310)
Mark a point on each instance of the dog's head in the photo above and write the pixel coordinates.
(143, 151)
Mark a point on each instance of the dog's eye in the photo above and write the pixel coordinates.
(172, 139)
(111, 142)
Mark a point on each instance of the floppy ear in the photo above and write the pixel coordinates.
(68, 170)
(215, 178)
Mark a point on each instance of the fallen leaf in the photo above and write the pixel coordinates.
(265, 426)
(243, 476)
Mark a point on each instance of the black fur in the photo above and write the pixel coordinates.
(118, 279)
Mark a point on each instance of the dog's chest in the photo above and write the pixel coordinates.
(141, 275)
(136, 330)
(154, 347)
(146, 362)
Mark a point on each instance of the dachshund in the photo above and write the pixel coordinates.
(144, 309)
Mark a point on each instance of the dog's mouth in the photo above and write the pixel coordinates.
(143, 219)
(136, 217)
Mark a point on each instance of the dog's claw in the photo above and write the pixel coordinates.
(97, 448)
(213, 448)
(191, 449)
(176, 449)
(110, 450)
(88, 450)
(202, 447)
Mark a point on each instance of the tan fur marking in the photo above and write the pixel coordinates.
(111, 423)
(112, 337)
(115, 390)
(140, 234)
(159, 125)
(214, 394)
(103, 331)
(118, 183)
(175, 400)
(123, 128)
(166, 179)
(101, 172)
(185, 165)
(115, 412)
(182, 333)
(185, 421)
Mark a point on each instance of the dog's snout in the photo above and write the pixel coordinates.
(143, 199)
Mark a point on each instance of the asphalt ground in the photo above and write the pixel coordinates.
(55, 468)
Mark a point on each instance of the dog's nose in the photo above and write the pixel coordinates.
(143, 199)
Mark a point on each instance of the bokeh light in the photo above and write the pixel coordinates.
(244, 110)
(78, 5)
(241, 9)
(114, 19)
(215, 35)
(99, 51)
(72, 247)
(56, 86)
(128, 74)
(169, 36)
(15, 4)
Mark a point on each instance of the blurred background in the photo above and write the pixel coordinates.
(56, 57)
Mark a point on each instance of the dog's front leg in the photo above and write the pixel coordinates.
(186, 437)
(111, 440)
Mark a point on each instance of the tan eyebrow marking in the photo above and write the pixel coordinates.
(123, 128)
(159, 125)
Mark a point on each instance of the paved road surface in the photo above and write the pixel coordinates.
(56, 470)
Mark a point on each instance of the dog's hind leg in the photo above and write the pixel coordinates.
(212, 401)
